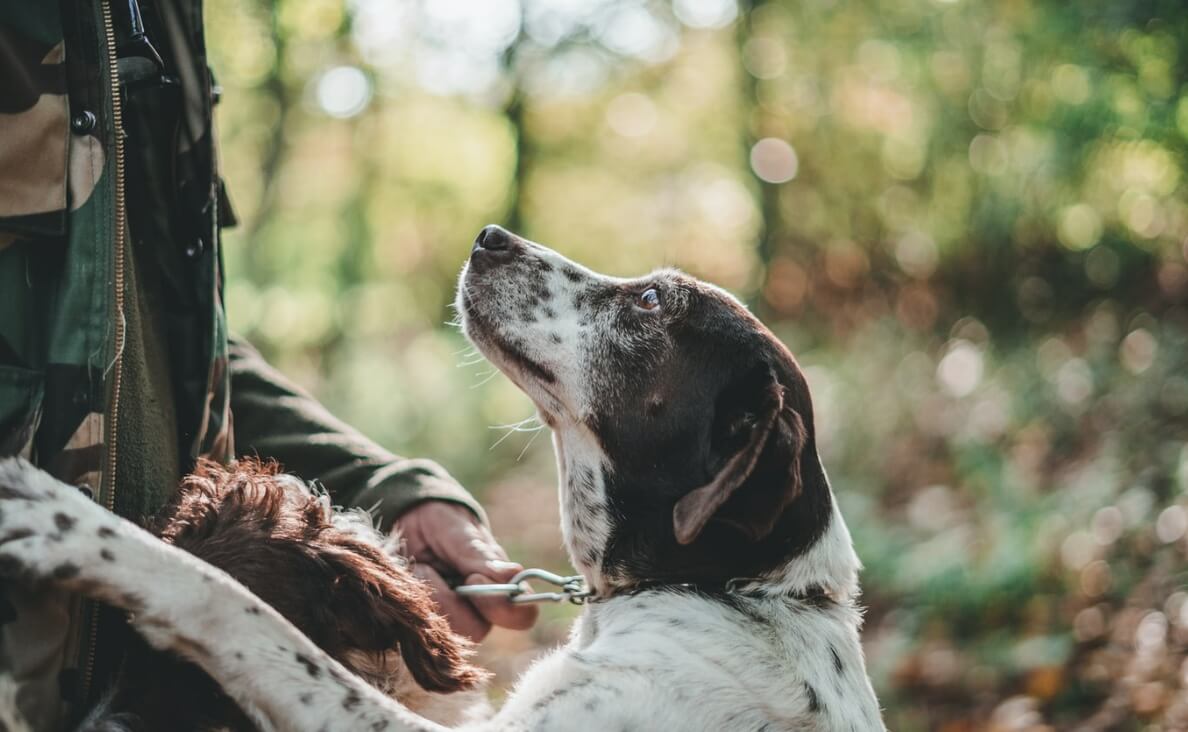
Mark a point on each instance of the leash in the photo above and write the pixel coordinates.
(572, 589)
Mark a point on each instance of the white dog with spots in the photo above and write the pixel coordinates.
(693, 502)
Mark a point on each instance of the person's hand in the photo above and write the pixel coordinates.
(446, 540)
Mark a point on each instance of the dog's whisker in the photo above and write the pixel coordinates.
(515, 427)
(488, 376)
(506, 435)
(519, 426)
(535, 434)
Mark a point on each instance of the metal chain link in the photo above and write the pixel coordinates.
(572, 588)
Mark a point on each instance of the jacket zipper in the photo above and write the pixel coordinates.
(108, 489)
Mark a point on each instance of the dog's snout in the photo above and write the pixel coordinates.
(493, 238)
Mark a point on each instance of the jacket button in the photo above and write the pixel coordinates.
(195, 249)
(83, 122)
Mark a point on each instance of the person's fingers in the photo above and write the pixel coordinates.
(446, 539)
(498, 610)
(456, 537)
(463, 617)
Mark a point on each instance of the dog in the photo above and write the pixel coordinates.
(723, 578)
(329, 572)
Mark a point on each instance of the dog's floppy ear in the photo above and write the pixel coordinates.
(376, 605)
(754, 420)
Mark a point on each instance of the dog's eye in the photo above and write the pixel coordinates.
(649, 299)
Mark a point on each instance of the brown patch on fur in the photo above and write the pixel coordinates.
(341, 591)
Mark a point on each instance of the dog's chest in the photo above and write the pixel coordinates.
(673, 661)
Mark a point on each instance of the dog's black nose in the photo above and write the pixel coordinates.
(493, 238)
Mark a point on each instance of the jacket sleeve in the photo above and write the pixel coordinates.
(275, 419)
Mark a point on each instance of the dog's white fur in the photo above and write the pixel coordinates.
(659, 659)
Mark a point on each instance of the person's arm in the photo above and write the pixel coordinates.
(443, 527)
(274, 418)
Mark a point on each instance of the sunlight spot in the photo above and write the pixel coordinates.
(549, 23)
(765, 57)
(960, 370)
(1108, 523)
(1151, 632)
(343, 91)
(381, 29)
(487, 27)
(1171, 524)
(1074, 381)
(1138, 350)
(916, 254)
(1079, 226)
(774, 160)
(705, 13)
(1077, 550)
(633, 31)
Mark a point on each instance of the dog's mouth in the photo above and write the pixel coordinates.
(508, 357)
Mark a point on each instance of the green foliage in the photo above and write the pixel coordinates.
(968, 219)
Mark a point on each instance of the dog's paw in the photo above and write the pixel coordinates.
(40, 519)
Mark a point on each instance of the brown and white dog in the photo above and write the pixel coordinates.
(693, 502)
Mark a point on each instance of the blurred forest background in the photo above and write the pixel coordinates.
(968, 219)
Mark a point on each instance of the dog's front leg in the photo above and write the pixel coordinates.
(50, 531)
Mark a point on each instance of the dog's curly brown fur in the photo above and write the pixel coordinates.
(342, 591)
(328, 577)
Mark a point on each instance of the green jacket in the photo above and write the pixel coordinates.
(116, 369)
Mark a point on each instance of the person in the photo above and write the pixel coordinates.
(117, 371)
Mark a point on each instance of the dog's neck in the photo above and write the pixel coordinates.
(830, 564)
(585, 525)
(829, 567)
(827, 571)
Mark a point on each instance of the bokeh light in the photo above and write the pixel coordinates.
(774, 160)
(343, 91)
(705, 13)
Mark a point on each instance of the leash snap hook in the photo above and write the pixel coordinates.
(570, 588)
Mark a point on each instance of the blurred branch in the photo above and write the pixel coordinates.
(513, 111)
(275, 151)
(512, 63)
(769, 195)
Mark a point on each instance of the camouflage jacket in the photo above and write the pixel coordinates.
(116, 370)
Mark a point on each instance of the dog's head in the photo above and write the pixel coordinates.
(683, 427)
(328, 572)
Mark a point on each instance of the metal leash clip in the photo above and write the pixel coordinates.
(572, 588)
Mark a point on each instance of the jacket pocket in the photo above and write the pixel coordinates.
(20, 409)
